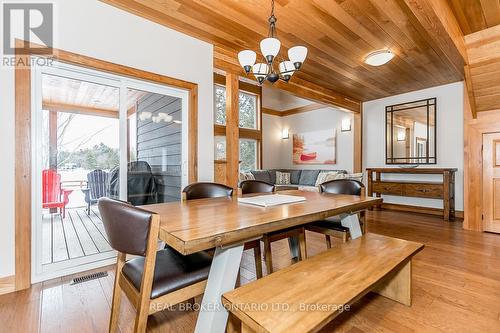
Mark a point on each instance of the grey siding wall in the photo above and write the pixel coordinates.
(159, 144)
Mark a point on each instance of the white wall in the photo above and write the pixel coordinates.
(450, 146)
(277, 153)
(97, 30)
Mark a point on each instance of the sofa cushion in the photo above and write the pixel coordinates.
(308, 177)
(262, 175)
(295, 176)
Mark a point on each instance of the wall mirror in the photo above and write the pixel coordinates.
(411, 132)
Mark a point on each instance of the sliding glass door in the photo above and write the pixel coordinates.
(95, 135)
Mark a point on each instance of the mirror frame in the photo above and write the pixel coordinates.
(389, 111)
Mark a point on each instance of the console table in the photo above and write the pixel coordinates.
(444, 190)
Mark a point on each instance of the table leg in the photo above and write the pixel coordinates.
(222, 278)
(351, 222)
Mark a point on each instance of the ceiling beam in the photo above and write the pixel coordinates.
(271, 112)
(79, 109)
(300, 109)
(441, 29)
(470, 91)
(296, 86)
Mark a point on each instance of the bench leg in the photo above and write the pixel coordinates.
(302, 245)
(246, 329)
(328, 242)
(233, 324)
(397, 285)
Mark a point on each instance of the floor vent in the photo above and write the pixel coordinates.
(89, 277)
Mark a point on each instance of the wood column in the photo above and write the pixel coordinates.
(232, 130)
(358, 141)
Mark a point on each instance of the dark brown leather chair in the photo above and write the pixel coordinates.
(206, 190)
(155, 279)
(214, 190)
(333, 226)
(256, 186)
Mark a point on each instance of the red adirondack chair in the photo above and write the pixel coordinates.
(53, 195)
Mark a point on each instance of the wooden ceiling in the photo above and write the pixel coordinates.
(76, 96)
(338, 33)
(476, 15)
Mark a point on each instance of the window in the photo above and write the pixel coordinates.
(248, 108)
(220, 105)
(249, 123)
(248, 154)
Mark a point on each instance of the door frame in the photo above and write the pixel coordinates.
(23, 139)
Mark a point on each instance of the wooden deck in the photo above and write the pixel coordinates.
(77, 235)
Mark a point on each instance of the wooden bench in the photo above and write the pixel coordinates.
(306, 296)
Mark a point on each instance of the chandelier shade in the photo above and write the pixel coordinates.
(247, 59)
(270, 50)
(270, 47)
(297, 55)
(260, 71)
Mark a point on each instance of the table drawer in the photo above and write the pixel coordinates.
(388, 188)
(424, 190)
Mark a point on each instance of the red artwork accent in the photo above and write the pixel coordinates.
(308, 157)
(53, 195)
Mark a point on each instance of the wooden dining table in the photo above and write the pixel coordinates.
(224, 224)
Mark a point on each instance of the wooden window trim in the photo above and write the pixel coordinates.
(245, 133)
(23, 139)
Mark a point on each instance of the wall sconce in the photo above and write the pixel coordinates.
(284, 133)
(346, 125)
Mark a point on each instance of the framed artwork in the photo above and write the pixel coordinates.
(318, 147)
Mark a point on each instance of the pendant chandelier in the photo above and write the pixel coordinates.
(270, 48)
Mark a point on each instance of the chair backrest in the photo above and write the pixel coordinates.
(206, 190)
(51, 186)
(256, 186)
(126, 226)
(98, 183)
(342, 186)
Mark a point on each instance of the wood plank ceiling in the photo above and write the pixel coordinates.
(338, 33)
(476, 15)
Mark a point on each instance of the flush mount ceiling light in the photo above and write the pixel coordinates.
(379, 58)
(270, 48)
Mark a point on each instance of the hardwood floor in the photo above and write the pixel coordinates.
(456, 288)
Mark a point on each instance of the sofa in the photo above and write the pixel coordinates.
(299, 178)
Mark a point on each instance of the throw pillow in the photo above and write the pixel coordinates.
(321, 178)
(335, 176)
(355, 176)
(246, 176)
(282, 178)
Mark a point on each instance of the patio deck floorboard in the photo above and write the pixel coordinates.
(75, 236)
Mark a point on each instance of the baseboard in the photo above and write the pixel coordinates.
(422, 210)
(7, 284)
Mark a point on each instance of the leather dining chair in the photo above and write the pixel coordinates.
(204, 190)
(257, 186)
(154, 280)
(332, 227)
